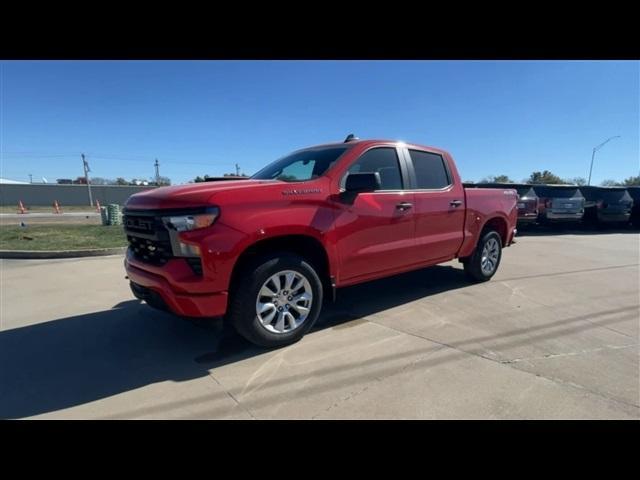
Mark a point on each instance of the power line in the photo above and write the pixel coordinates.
(170, 162)
(19, 156)
(25, 155)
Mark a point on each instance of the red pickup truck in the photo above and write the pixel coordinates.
(266, 251)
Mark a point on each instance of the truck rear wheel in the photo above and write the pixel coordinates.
(484, 262)
(276, 300)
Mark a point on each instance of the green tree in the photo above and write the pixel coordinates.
(98, 181)
(104, 181)
(199, 179)
(121, 181)
(163, 181)
(609, 183)
(234, 175)
(632, 181)
(576, 181)
(544, 177)
(496, 179)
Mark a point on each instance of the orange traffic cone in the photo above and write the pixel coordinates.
(56, 207)
(21, 208)
(97, 206)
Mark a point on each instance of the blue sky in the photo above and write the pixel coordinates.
(201, 117)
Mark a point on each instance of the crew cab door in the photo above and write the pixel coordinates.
(439, 202)
(375, 230)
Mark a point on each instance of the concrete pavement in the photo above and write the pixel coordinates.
(553, 335)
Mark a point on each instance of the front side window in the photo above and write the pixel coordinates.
(430, 170)
(383, 160)
(301, 166)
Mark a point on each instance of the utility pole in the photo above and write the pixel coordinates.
(30, 178)
(157, 165)
(85, 165)
(593, 154)
(237, 169)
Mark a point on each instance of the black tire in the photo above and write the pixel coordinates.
(473, 265)
(242, 306)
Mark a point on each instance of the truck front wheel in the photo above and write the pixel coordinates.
(483, 264)
(276, 301)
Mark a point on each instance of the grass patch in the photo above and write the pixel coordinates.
(48, 208)
(61, 237)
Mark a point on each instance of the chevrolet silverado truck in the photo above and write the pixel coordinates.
(265, 252)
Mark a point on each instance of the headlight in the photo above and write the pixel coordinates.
(184, 223)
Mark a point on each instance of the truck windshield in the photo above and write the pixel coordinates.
(302, 165)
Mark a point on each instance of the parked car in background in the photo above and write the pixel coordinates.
(527, 204)
(634, 192)
(559, 203)
(607, 205)
(527, 199)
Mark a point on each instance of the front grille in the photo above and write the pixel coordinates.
(150, 251)
(149, 238)
(141, 224)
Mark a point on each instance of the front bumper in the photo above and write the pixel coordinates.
(158, 292)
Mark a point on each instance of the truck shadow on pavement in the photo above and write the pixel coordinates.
(72, 361)
(570, 229)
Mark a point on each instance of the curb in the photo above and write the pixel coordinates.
(34, 254)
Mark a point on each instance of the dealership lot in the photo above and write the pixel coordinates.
(553, 335)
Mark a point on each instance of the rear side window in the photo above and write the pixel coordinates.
(430, 170)
(383, 160)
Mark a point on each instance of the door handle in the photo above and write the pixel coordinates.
(404, 206)
(455, 203)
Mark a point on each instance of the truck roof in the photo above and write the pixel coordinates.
(367, 142)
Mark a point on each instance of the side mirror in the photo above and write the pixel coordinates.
(362, 182)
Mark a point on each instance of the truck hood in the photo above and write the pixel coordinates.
(189, 195)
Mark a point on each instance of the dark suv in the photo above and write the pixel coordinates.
(607, 205)
(560, 203)
(527, 204)
(634, 192)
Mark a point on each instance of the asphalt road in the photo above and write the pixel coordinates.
(553, 335)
